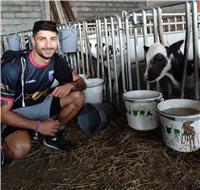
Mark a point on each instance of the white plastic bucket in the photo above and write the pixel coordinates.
(180, 121)
(94, 91)
(141, 109)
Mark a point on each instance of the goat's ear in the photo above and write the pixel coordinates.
(146, 48)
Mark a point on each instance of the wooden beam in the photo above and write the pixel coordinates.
(60, 12)
(53, 12)
(68, 10)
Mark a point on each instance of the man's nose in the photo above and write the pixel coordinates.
(48, 44)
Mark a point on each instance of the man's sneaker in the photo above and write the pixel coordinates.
(59, 142)
(5, 160)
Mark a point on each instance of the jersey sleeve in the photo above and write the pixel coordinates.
(62, 71)
(10, 74)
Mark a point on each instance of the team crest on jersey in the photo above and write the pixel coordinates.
(51, 77)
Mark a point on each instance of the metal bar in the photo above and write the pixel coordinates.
(102, 62)
(144, 19)
(155, 26)
(86, 47)
(108, 59)
(98, 47)
(5, 42)
(74, 62)
(81, 44)
(160, 26)
(22, 41)
(156, 37)
(114, 57)
(78, 61)
(187, 45)
(195, 50)
(121, 53)
(136, 52)
(128, 51)
(101, 52)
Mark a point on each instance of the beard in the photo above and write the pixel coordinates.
(41, 54)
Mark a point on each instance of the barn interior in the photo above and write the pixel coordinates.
(105, 40)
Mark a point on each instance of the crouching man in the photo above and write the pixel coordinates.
(28, 106)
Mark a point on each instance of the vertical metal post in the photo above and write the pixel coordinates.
(144, 27)
(81, 44)
(98, 47)
(86, 47)
(155, 26)
(195, 50)
(101, 51)
(121, 53)
(160, 26)
(156, 37)
(128, 51)
(114, 59)
(136, 51)
(108, 59)
(187, 45)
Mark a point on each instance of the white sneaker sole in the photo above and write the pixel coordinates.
(50, 146)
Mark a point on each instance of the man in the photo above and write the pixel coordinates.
(27, 105)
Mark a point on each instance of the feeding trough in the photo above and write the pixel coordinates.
(180, 119)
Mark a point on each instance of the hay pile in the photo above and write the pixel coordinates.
(116, 158)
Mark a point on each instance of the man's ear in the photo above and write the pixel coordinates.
(146, 48)
(33, 41)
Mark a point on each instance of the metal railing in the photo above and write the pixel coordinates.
(126, 35)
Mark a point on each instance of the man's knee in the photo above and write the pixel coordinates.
(74, 101)
(18, 144)
(78, 98)
(19, 150)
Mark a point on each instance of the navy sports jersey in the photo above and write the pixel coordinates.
(37, 79)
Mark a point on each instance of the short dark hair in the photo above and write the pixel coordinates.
(44, 25)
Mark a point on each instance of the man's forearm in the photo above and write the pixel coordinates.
(15, 120)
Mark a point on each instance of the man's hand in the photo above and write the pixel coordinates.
(61, 91)
(79, 84)
(49, 127)
(64, 90)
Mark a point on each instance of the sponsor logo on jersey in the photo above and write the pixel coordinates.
(51, 77)
(30, 81)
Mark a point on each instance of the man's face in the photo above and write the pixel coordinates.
(46, 43)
